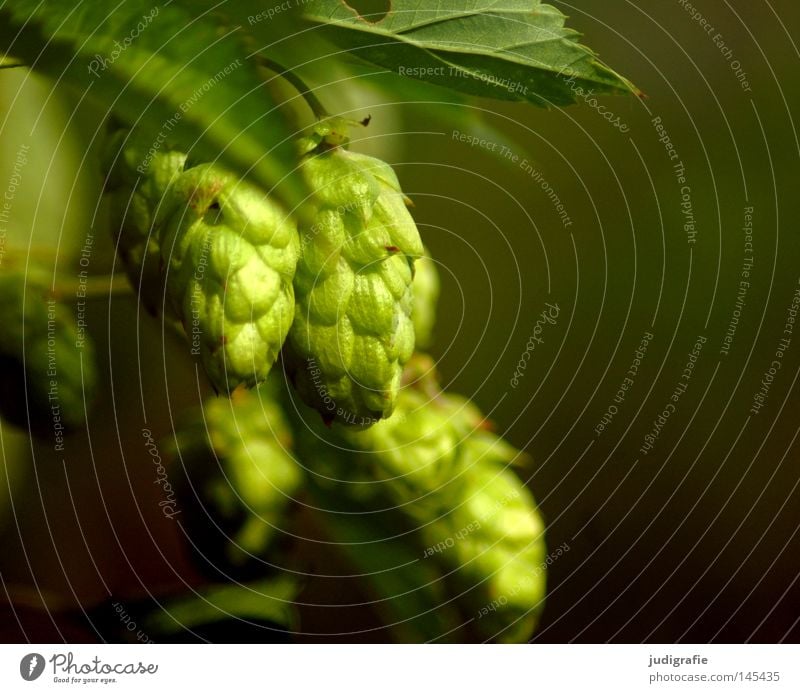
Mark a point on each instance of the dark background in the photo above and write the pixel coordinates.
(695, 541)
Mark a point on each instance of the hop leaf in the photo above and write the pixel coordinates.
(352, 331)
(46, 362)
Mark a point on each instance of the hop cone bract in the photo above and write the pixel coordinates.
(426, 294)
(136, 188)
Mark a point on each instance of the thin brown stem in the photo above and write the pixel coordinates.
(302, 88)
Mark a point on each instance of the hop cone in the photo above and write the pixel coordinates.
(48, 367)
(450, 475)
(236, 453)
(436, 461)
(352, 331)
(216, 248)
(494, 535)
(230, 254)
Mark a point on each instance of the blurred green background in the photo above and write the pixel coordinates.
(695, 540)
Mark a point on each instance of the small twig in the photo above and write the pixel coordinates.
(302, 88)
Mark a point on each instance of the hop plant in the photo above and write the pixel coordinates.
(231, 264)
(352, 331)
(239, 465)
(48, 368)
(254, 250)
(214, 249)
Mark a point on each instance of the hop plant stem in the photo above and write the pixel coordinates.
(320, 112)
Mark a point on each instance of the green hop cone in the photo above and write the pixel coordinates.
(136, 187)
(48, 366)
(214, 250)
(352, 331)
(240, 476)
(450, 474)
(230, 254)
(495, 537)
(426, 294)
(439, 465)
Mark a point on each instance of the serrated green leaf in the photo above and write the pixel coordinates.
(515, 50)
(176, 78)
(446, 111)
